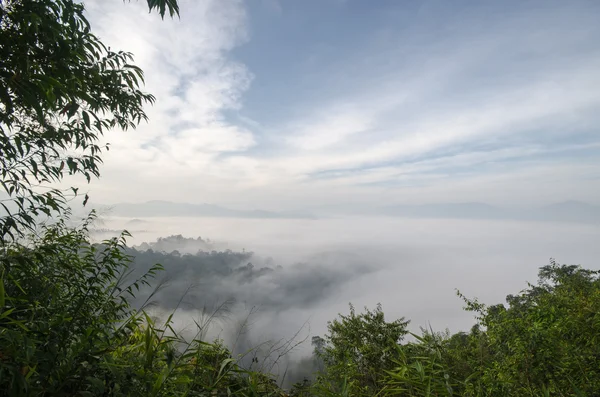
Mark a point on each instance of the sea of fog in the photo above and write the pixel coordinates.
(411, 266)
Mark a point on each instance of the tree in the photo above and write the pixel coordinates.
(546, 339)
(163, 6)
(60, 89)
(361, 347)
(420, 369)
(62, 306)
(67, 329)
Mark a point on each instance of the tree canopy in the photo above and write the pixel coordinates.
(542, 342)
(61, 88)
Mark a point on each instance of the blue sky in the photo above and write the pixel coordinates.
(290, 104)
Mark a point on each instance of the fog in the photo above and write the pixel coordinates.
(411, 266)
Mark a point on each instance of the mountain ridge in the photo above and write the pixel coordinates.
(154, 208)
(566, 211)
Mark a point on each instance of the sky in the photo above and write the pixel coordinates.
(284, 105)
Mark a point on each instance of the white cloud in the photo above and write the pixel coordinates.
(213, 138)
(188, 70)
(333, 127)
(538, 106)
(394, 123)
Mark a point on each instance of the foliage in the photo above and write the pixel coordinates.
(544, 342)
(66, 328)
(163, 6)
(420, 369)
(361, 347)
(547, 338)
(64, 304)
(60, 89)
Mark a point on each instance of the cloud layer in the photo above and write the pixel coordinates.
(491, 103)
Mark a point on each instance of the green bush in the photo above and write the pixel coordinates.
(544, 342)
(66, 328)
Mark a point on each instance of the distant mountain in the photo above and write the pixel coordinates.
(568, 211)
(136, 222)
(169, 208)
(447, 210)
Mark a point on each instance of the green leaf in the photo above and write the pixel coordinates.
(2, 291)
(86, 119)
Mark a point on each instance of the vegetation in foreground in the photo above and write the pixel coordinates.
(67, 327)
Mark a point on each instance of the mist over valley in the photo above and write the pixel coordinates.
(296, 274)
